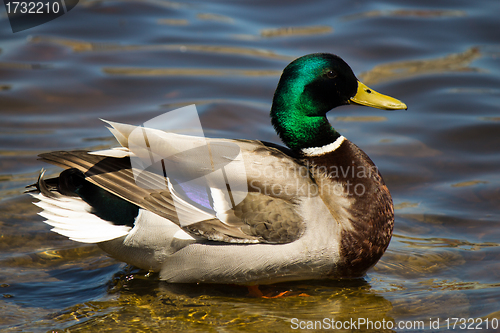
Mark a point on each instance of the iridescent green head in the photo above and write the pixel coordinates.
(309, 87)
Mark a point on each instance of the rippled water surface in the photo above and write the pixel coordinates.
(129, 61)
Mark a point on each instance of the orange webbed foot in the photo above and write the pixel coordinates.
(254, 291)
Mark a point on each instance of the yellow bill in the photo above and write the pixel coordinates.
(369, 97)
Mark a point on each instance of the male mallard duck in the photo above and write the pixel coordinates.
(317, 209)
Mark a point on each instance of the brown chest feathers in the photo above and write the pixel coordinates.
(354, 191)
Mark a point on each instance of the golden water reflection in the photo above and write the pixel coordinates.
(83, 46)
(295, 31)
(455, 62)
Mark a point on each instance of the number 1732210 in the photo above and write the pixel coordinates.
(15, 7)
(471, 323)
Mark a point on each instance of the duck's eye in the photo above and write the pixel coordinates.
(331, 75)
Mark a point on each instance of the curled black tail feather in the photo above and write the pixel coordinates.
(46, 187)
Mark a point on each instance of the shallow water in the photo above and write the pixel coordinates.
(129, 61)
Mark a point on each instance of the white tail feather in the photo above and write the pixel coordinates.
(71, 217)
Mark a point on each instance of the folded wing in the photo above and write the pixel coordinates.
(224, 190)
